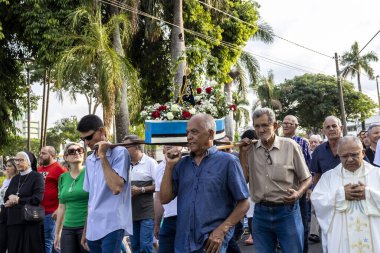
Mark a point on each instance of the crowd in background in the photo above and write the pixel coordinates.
(122, 200)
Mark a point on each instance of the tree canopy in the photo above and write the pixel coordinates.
(313, 97)
(64, 129)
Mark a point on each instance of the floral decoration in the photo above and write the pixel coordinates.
(210, 100)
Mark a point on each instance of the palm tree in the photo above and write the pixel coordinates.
(247, 69)
(354, 63)
(241, 113)
(266, 94)
(178, 47)
(92, 47)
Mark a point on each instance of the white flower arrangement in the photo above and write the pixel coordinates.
(210, 100)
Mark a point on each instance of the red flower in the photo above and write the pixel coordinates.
(162, 108)
(156, 114)
(233, 108)
(186, 114)
(208, 90)
(199, 90)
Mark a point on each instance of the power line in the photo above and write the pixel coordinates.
(215, 41)
(270, 33)
(369, 41)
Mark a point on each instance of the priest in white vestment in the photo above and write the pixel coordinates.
(347, 202)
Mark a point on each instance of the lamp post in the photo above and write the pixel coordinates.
(27, 62)
(378, 95)
(28, 111)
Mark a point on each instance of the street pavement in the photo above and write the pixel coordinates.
(313, 247)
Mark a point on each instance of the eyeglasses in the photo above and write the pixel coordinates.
(88, 137)
(268, 157)
(73, 151)
(19, 160)
(353, 155)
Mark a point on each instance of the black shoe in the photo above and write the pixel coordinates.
(314, 238)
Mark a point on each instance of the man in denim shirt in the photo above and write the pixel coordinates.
(212, 195)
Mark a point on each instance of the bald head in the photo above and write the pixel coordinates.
(47, 155)
(206, 121)
(351, 153)
(289, 125)
(332, 128)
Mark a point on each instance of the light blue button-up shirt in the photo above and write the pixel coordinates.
(108, 212)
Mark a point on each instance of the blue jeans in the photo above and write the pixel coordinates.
(282, 223)
(167, 235)
(49, 229)
(142, 239)
(111, 243)
(304, 215)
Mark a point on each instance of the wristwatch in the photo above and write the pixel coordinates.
(143, 189)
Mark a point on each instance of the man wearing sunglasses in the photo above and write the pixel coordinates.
(109, 214)
(51, 170)
(278, 176)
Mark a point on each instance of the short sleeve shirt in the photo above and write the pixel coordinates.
(71, 193)
(108, 212)
(270, 178)
(206, 195)
(51, 175)
(323, 159)
(142, 175)
(170, 209)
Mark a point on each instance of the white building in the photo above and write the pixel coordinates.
(22, 128)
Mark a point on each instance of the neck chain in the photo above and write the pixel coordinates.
(18, 186)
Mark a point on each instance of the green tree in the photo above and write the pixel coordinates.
(92, 50)
(266, 93)
(64, 129)
(241, 114)
(355, 63)
(17, 143)
(313, 97)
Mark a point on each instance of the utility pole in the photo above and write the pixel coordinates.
(378, 94)
(340, 94)
(28, 112)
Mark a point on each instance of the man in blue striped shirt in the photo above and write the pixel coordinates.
(289, 127)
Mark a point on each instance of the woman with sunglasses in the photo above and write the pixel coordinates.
(25, 188)
(73, 201)
(11, 171)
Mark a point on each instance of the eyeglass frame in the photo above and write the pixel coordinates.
(268, 157)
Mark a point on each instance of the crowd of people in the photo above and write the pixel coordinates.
(293, 190)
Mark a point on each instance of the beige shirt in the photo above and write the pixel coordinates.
(269, 182)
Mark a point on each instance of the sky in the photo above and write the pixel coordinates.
(326, 26)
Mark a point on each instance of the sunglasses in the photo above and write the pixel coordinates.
(73, 151)
(88, 137)
(268, 157)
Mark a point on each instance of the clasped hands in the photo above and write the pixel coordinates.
(12, 200)
(354, 191)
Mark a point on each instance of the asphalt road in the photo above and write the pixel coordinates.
(313, 247)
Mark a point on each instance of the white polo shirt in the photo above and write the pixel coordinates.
(170, 209)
